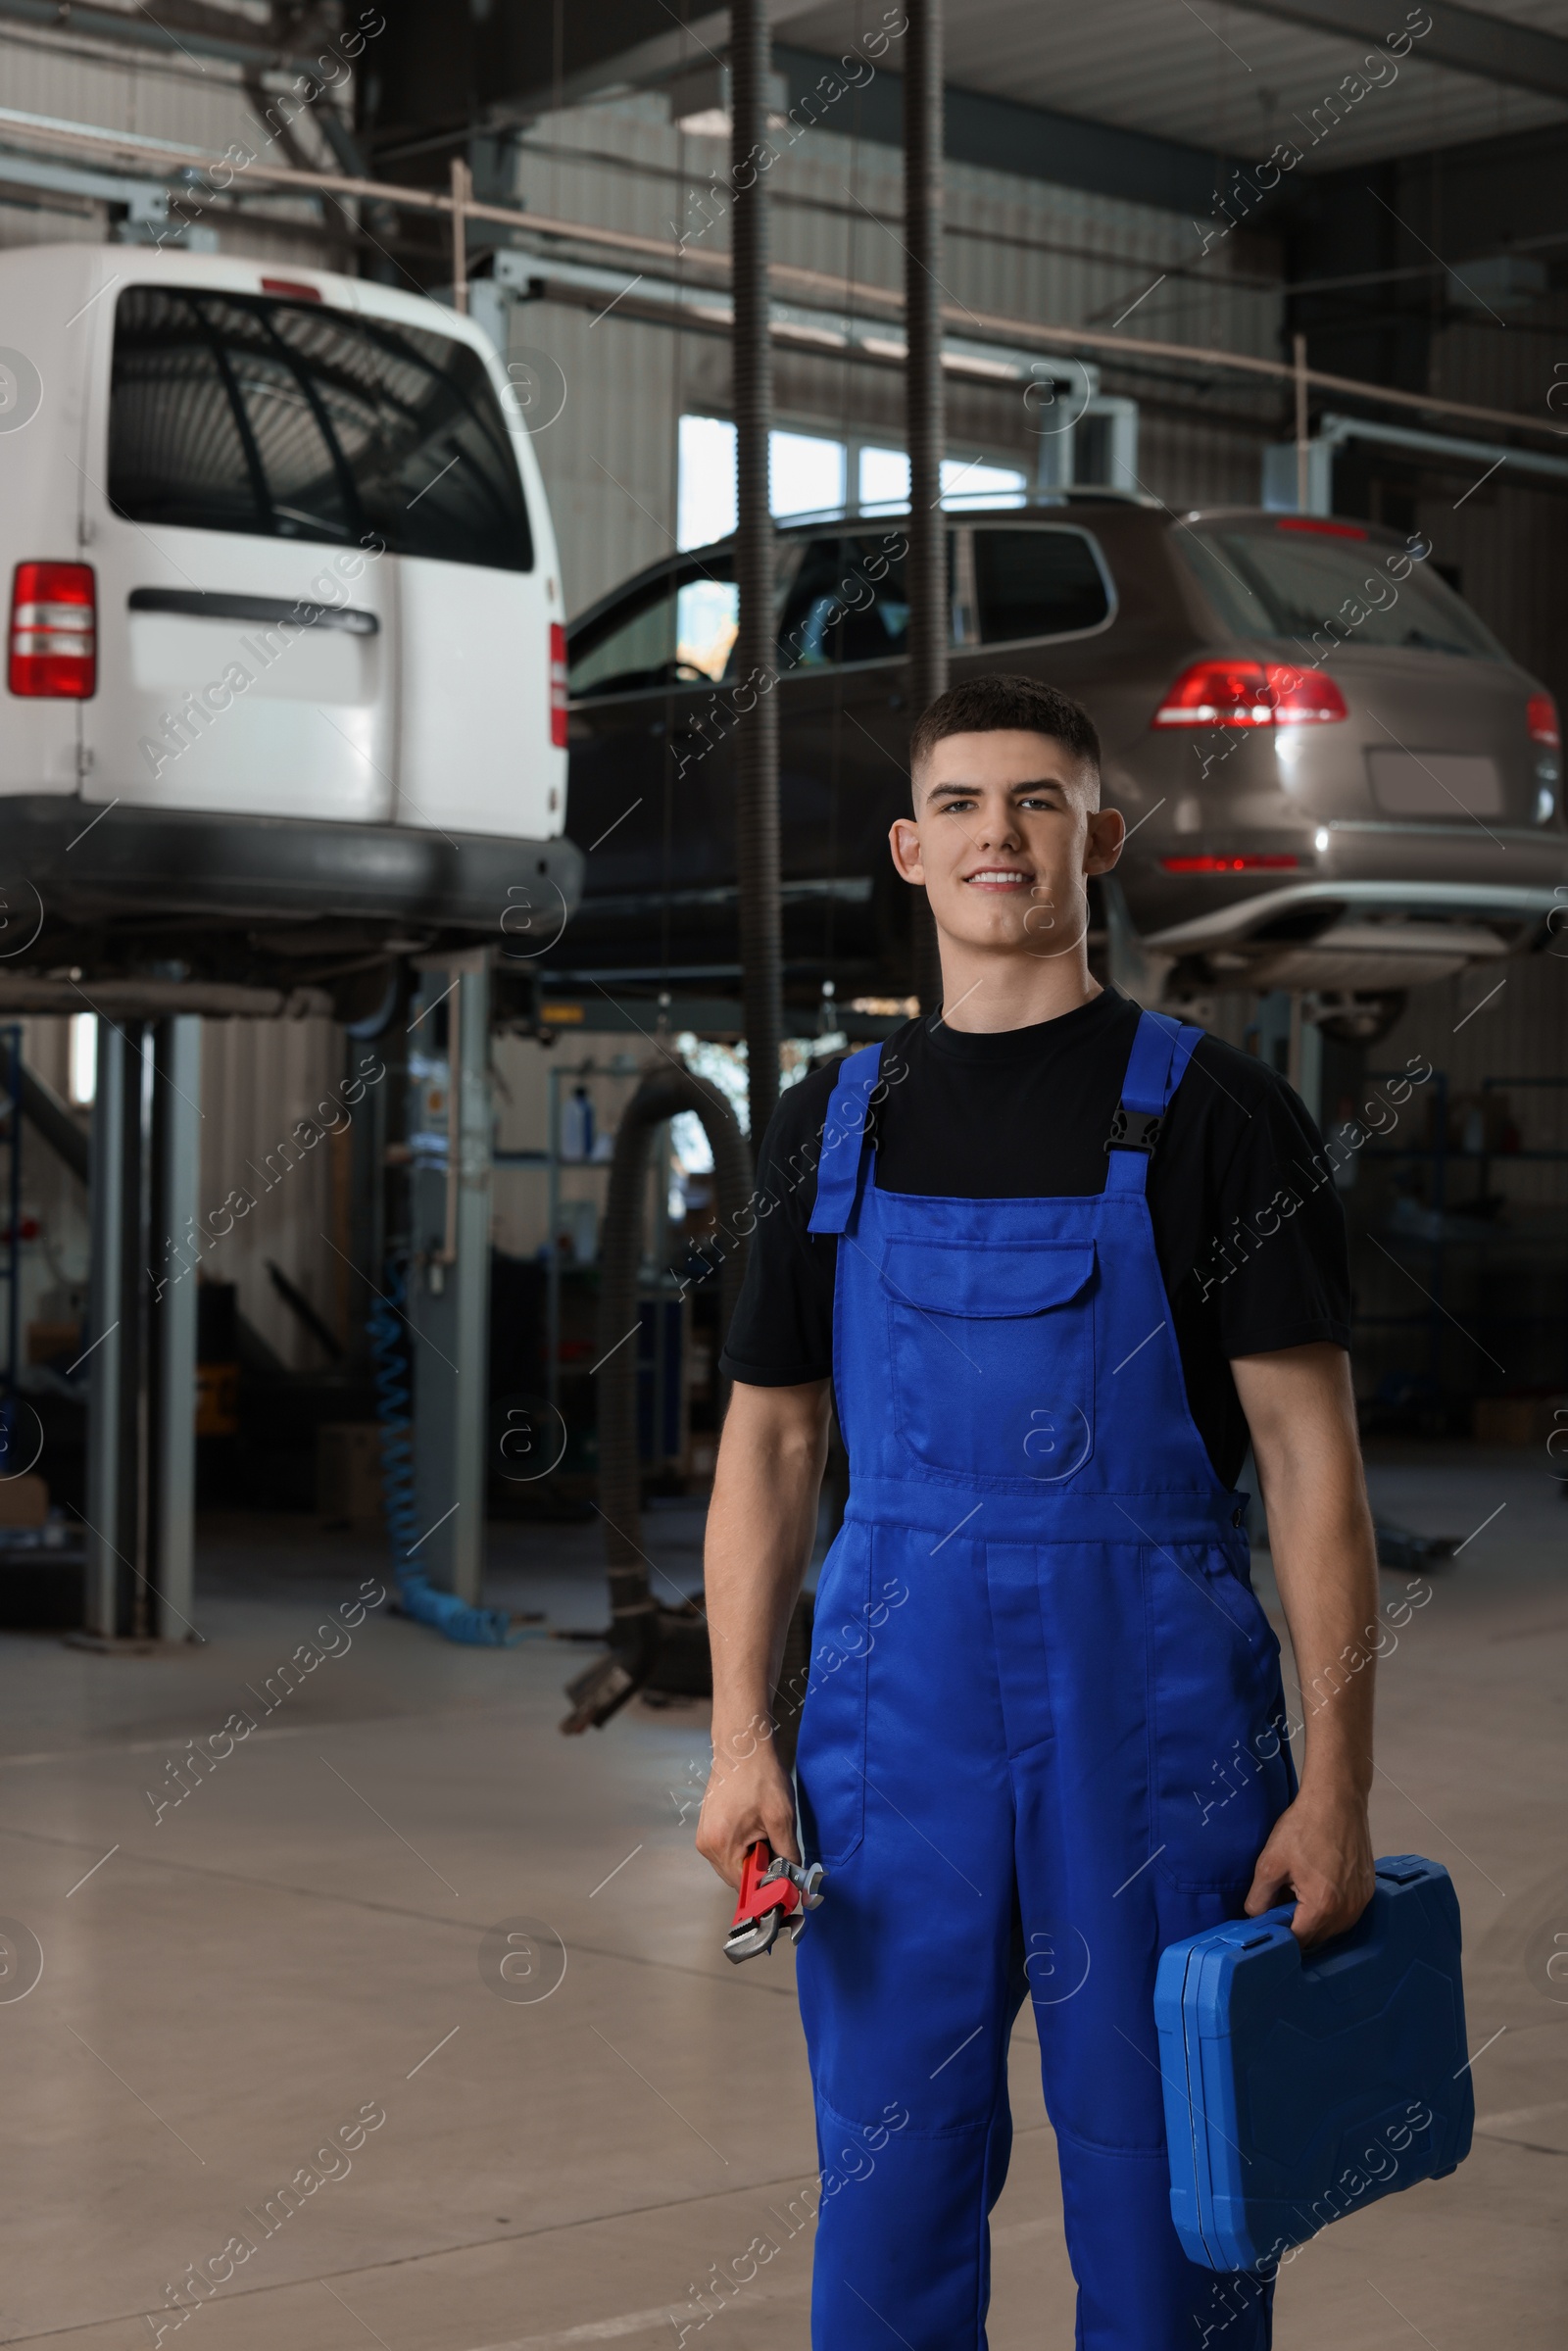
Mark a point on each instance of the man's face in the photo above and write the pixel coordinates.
(1007, 830)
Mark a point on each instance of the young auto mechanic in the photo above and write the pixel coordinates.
(1045, 1733)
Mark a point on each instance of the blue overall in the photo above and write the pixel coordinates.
(1042, 1737)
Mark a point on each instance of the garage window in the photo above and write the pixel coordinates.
(286, 420)
(1037, 583)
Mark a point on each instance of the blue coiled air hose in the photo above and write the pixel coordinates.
(480, 1628)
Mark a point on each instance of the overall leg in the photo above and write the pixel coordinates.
(1113, 1847)
(903, 1972)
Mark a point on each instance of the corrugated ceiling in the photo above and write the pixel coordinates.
(1212, 76)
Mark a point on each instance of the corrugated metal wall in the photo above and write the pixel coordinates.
(1507, 535)
(261, 1079)
(199, 103)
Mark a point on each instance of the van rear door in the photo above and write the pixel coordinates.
(317, 584)
(246, 626)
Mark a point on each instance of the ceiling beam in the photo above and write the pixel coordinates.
(1491, 48)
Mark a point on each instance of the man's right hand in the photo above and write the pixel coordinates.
(748, 1796)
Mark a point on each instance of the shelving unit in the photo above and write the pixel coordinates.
(1484, 1324)
(662, 1339)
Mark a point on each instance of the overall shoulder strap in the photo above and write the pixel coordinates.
(843, 1134)
(1161, 1050)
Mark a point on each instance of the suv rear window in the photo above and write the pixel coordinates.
(1036, 583)
(286, 420)
(1288, 585)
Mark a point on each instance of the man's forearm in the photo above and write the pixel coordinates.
(1301, 1412)
(760, 1526)
(1325, 1564)
(1324, 1549)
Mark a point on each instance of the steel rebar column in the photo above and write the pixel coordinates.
(757, 736)
(926, 564)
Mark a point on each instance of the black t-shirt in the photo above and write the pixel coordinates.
(1247, 1224)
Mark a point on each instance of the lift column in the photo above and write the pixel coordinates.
(448, 1277)
(143, 1170)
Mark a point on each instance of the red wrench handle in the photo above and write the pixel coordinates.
(756, 1898)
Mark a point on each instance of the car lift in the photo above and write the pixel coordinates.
(145, 1213)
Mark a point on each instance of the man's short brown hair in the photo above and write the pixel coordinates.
(998, 702)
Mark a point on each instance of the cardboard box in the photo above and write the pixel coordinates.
(1519, 1420)
(348, 1476)
(58, 1343)
(217, 1400)
(23, 1502)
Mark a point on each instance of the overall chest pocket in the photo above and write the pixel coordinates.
(991, 1352)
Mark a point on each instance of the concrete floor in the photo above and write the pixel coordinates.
(299, 1944)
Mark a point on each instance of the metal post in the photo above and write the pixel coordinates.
(461, 198)
(177, 1119)
(756, 652)
(448, 1294)
(1303, 452)
(926, 564)
(107, 1208)
(553, 1245)
(471, 1289)
(14, 1243)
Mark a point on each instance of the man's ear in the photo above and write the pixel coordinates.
(1106, 831)
(904, 840)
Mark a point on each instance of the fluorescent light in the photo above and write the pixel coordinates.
(83, 1080)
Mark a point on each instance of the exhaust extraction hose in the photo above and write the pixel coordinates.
(664, 1093)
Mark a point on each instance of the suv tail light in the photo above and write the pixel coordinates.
(1250, 694)
(1267, 861)
(1540, 720)
(558, 686)
(54, 630)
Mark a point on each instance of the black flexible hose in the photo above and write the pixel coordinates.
(634, 1626)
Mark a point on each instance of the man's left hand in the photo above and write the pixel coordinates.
(1320, 1851)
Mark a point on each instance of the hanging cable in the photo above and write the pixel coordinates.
(417, 1597)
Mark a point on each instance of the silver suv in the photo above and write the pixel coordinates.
(1335, 778)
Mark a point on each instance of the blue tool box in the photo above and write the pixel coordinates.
(1302, 2087)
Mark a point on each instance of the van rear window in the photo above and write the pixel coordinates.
(285, 419)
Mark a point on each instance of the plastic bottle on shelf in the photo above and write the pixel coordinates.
(577, 1125)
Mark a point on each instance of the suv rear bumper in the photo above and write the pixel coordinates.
(88, 866)
(1511, 877)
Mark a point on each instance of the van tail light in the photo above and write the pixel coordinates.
(1540, 720)
(1250, 694)
(54, 630)
(557, 685)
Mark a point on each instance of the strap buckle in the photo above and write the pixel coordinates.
(1135, 1129)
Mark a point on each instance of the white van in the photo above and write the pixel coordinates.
(285, 610)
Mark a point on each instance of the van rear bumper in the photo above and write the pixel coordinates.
(89, 864)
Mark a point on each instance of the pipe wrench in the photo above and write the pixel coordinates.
(774, 1893)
